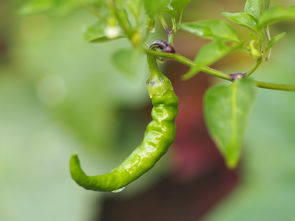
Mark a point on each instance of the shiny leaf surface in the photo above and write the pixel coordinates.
(242, 18)
(208, 55)
(211, 29)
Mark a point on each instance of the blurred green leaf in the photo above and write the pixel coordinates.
(179, 5)
(226, 113)
(209, 54)
(276, 14)
(242, 18)
(211, 29)
(274, 40)
(93, 86)
(128, 61)
(135, 7)
(36, 6)
(100, 32)
(172, 7)
(57, 6)
(256, 7)
(154, 7)
(27, 125)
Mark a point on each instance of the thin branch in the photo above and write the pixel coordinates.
(258, 63)
(282, 87)
(216, 73)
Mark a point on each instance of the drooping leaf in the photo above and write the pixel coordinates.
(209, 54)
(276, 14)
(274, 40)
(100, 32)
(256, 7)
(128, 61)
(211, 29)
(227, 108)
(153, 7)
(242, 18)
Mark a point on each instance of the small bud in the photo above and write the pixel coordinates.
(165, 47)
(254, 51)
(112, 32)
(237, 76)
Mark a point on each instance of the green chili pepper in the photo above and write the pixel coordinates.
(159, 135)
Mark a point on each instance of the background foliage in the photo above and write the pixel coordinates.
(59, 94)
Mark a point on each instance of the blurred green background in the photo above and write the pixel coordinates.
(60, 94)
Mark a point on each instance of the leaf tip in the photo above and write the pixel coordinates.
(185, 77)
(191, 73)
(232, 163)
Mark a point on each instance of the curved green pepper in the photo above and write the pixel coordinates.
(159, 135)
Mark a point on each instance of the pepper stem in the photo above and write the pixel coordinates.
(153, 66)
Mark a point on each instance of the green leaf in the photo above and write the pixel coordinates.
(134, 8)
(276, 14)
(209, 54)
(242, 18)
(154, 7)
(211, 29)
(36, 7)
(100, 32)
(55, 6)
(128, 61)
(256, 7)
(179, 5)
(172, 7)
(274, 40)
(227, 108)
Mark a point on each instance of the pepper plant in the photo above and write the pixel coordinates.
(226, 107)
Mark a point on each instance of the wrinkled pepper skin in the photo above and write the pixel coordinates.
(159, 135)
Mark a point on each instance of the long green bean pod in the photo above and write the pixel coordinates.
(159, 135)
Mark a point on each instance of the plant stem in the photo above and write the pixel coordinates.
(164, 23)
(120, 14)
(258, 63)
(176, 57)
(217, 73)
(282, 87)
(153, 66)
